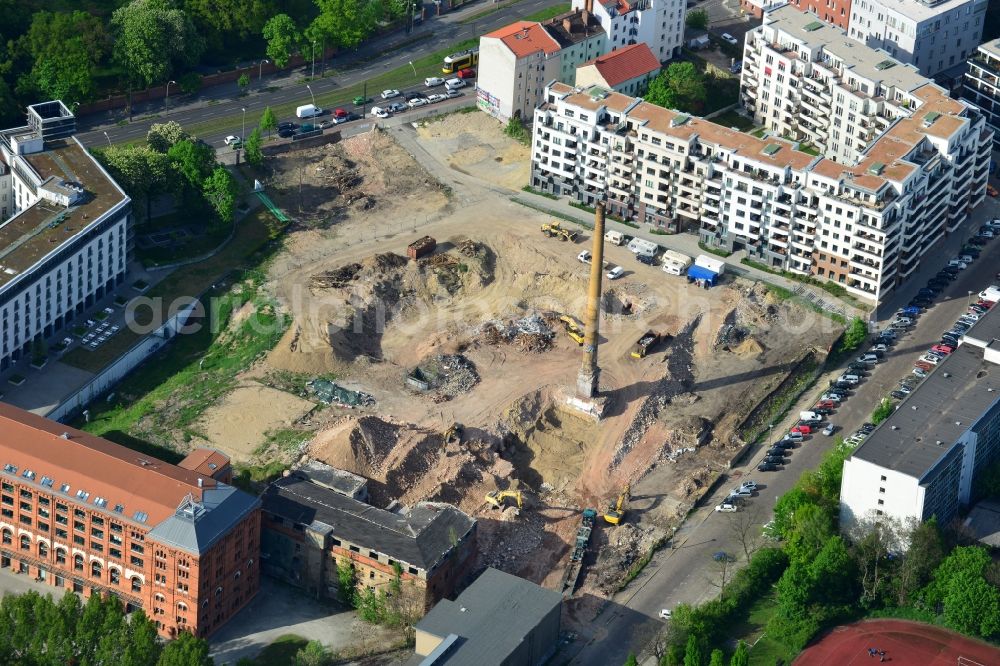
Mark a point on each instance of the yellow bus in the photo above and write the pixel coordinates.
(460, 60)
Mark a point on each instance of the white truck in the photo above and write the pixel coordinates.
(675, 263)
(713, 264)
(991, 293)
(308, 111)
(614, 237)
(646, 248)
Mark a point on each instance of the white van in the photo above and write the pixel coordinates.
(809, 416)
(308, 111)
(615, 237)
(454, 84)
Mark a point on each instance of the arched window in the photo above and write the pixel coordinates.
(116, 576)
(181, 606)
(25, 542)
(159, 597)
(43, 549)
(60, 556)
(95, 569)
(236, 576)
(78, 562)
(8, 537)
(136, 584)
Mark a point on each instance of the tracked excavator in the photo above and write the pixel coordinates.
(616, 512)
(498, 498)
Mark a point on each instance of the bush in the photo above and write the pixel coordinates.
(883, 411)
(190, 83)
(854, 336)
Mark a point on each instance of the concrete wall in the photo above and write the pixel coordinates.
(495, 82)
(864, 484)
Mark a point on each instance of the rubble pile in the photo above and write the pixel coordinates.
(515, 539)
(338, 278)
(531, 334)
(627, 543)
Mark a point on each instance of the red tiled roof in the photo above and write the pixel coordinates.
(625, 64)
(524, 38)
(138, 482)
(205, 461)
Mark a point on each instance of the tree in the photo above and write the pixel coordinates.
(65, 48)
(631, 661)
(745, 527)
(344, 23)
(680, 87)
(194, 160)
(717, 657)
(692, 653)
(673, 657)
(919, 561)
(252, 150)
(972, 605)
(186, 650)
(221, 190)
(883, 411)
(854, 336)
(812, 527)
(741, 657)
(697, 20)
(873, 540)
(162, 136)
(834, 574)
(152, 38)
(141, 171)
(243, 82)
(220, 19)
(347, 582)
(313, 654)
(282, 37)
(268, 121)
(973, 559)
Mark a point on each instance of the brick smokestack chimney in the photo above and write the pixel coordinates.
(588, 7)
(589, 378)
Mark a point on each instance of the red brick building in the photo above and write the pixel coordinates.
(83, 513)
(836, 12)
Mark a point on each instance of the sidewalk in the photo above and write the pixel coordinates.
(370, 53)
(688, 244)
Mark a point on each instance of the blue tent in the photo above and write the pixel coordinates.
(702, 273)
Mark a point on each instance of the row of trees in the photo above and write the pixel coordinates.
(174, 162)
(820, 578)
(47, 54)
(40, 630)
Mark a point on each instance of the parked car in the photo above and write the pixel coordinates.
(775, 452)
(361, 100)
(859, 368)
(432, 81)
(437, 97)
(880, 348)
(749, 483)
(919, 372)
(729, 39)
(665, 613)
(616, 273)
(726, 507)
(832, 397)
(985, 233)
(767, 467)
(829, 429)
(784, 444)
(233, 140)
(419, 101)
(379, 112)
(898, 395)
(957, 263)
(825, 404)
(467, 73)
(803, 429)
(451, 92)
(646, 259)
(389, 94)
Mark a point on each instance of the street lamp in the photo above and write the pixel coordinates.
(243, 135)
(166, 102)
(314, 59)
(414, 68)
(260, 69)
(969, 301)
(108, 138)
(309, 87)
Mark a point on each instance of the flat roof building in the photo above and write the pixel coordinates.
(500, 620)
(64, 229)
(981, 84)
(79, 512)
(923, 459)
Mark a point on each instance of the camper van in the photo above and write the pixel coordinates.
(614, 237)
(675, 263)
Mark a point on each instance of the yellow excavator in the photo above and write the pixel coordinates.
(555, 230)
(573, 328)
(453, 435)
(498, 498)
(616, 512)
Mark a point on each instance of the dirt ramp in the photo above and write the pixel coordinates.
(359, 445)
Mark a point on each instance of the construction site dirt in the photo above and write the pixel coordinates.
(478, 322)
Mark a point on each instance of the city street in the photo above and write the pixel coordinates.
(684, 572)
(221, 102)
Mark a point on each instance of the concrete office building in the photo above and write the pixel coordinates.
(500, 619)
(65, 230)
(806, 80)
(923, 459)
(981, 85)
(81, 513)
(316, 517)
(864, 226)
(932, 35)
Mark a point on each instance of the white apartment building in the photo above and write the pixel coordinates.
(659, 23)
(64, 239)
(923, 459)
(933, 36)
(864, 226)
(516, 61)
(982, 84)
(806, 80)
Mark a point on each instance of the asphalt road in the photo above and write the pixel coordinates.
(219, 101)
(684, 571)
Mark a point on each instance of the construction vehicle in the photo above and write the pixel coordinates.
(498, 498)
(616, 512)
(453, 435)
(573, 328)
(645, 343)
(572, 573)
(555, 230)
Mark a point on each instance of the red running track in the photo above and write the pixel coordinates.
(905, 644)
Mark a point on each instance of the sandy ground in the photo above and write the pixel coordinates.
(239, 424)
(365, 314)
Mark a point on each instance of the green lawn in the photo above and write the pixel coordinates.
(428, 65)
(765, 651)
(545, 14)
(251, 234)
(733, 119)
(183, 247)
